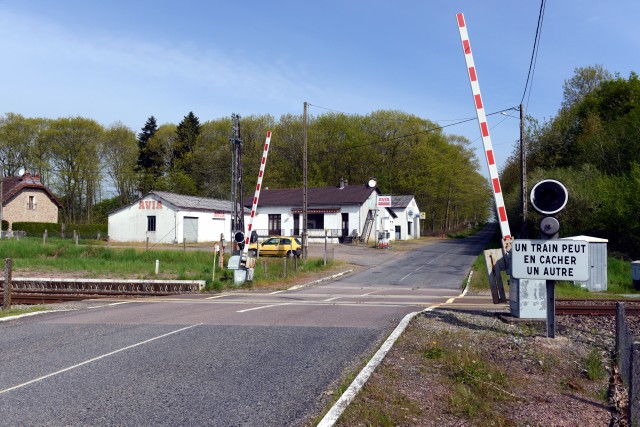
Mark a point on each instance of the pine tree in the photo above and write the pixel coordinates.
(146, 166)
(145, 161)
(187, 134)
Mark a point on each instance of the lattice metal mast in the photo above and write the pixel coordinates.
(237, 214)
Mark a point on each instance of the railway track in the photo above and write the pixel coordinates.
(51, 290)
(605, 307)
(34, 297)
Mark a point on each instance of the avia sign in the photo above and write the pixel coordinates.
(150, 204)
(384, 201)
(550, 260)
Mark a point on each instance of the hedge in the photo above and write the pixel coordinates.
(36, 229)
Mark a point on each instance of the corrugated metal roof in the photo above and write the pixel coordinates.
(194, 202)
(318, 196)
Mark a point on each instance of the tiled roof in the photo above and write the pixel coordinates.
(194, 202)
(318, 196)
(398, 202)
(12, 185)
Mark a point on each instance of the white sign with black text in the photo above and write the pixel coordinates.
(550, 260)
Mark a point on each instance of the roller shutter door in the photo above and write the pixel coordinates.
(190, 229)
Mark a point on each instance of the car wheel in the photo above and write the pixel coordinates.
(291, 254)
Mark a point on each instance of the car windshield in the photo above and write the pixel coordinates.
(298, 241)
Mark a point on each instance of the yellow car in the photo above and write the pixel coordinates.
(277, 246)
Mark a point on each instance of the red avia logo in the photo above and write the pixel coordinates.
(384, 201)
(149, 204)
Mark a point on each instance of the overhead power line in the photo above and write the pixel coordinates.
(534, 52)
(433, 129)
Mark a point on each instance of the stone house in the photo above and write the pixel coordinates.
(26, 199)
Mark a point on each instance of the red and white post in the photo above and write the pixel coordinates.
(484, 131)
(256, 195)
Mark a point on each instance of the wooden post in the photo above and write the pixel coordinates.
(44, 237)
(264, 267)
(6, 305)
(147, 244)
(184, 244)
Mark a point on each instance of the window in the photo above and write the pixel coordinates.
(31, 204)
(151, 223)
(315, 221)
(275, 224)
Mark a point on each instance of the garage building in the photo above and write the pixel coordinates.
(165, 217)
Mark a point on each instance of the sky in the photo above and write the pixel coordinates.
(124, 61)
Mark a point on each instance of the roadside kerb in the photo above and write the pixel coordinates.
(354, 388)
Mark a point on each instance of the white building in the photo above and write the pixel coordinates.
(171, 218)
(345, 212)
(407, 223)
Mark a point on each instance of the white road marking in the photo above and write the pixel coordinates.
(406, 276)
(331, 299)
(263, 306)
(61, 371)
(277, 292)
(217, 296)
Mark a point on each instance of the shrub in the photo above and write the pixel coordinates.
(37, 229)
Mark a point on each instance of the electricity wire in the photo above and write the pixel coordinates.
(534, 53)
(433, 129)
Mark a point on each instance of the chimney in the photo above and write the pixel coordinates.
(341, 183)
(346, 182)
(36, 177)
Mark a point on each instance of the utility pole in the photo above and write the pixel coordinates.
(523, 177)
(305, 242)
(237, 213)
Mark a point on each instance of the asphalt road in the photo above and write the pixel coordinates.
(236, 359)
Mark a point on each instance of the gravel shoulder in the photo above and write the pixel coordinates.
(457, 368)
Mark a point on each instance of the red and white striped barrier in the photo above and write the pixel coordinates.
(484, 129)
(256, 196)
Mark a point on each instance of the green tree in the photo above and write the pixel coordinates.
(212, 159)
(76, 168)
(146, 164)
(160, 149)
(120, 151)
(19, 140)
(584, 81)
(186, 136)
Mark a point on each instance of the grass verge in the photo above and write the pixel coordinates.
(18, 311)
(447, 370)
(59, 256)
